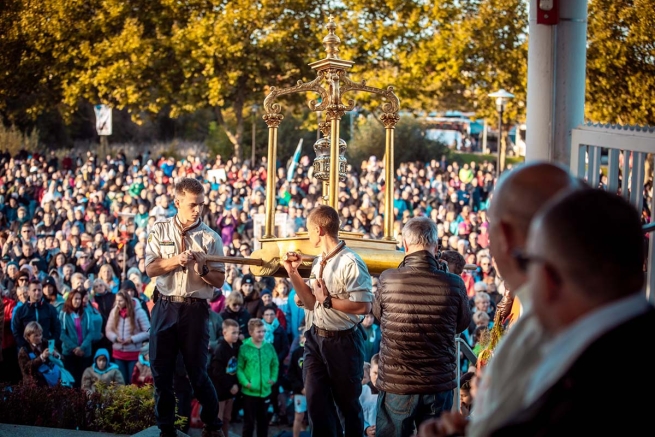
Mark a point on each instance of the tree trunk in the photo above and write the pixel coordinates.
(236, 138)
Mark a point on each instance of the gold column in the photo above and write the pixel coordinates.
(333, 188)
(388, 184)
(273, 121)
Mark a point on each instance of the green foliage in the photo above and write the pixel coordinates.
(55, 407)
(124, 409)
(478, 158)
(409, 141)
(621, 62)
(13, 140)
(441, 55)
(157, 60)
(217, 142)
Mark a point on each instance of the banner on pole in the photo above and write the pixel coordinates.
(103, 119)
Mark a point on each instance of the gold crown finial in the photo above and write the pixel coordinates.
(331, 41)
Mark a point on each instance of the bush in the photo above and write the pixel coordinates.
(124, 409)
(55, 407)
(13, 140)
(409, 141)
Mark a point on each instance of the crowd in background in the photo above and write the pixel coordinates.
(73, 234)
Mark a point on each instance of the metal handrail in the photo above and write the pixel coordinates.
(471, 357)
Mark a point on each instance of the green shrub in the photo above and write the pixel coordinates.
(55, 407)
(124, 409)
(409, 141)
(13, 140)
(479, 158)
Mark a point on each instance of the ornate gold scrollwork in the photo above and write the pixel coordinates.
(273, 120)
(390, 107)
(389, 120)
(315, 85)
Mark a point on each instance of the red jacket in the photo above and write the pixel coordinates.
(8, 339)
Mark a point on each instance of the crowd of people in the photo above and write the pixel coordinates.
(82, 236)
(73, 237)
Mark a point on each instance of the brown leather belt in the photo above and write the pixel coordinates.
(181, 299)
(331, 334)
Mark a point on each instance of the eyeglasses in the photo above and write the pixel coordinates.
(524, 260)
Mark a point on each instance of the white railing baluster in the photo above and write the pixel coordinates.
(594, 166)
(613, 171)
(637, 182)
(625, 176)
(622, 142)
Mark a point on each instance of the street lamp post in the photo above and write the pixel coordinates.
(501, 97)
(253, 111)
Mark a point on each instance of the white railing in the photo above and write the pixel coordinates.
(627, 149)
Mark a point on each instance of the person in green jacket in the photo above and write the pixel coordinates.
(257, 372)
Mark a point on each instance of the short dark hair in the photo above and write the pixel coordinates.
(375, 360)
(606, 268)
(327, 218)
(455, 260)
(191, 185)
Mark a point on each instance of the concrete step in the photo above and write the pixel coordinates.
(7, 430)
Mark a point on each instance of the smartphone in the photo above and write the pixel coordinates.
(51, 346)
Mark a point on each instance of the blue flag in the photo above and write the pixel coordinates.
(296, 159)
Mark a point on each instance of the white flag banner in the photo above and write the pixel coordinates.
(103, 119)
(259, 226)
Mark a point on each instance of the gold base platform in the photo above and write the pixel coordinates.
(378, 255)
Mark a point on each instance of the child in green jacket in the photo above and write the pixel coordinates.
(256, 372)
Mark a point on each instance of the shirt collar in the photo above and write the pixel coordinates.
(560, 352)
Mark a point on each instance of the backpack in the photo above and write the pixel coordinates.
(50, 372)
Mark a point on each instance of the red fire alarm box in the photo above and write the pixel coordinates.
(547, 12)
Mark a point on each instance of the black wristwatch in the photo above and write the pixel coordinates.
(327, 303)
(205, 271)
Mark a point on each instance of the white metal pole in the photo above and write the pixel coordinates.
(541, 92)
(570, 74)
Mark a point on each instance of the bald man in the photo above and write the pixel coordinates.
(517, 198)
(588, 297)
(587, 294)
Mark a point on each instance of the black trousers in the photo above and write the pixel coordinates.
(9, 369)
(77, 365)
(333, 369)
(255, 410)
(181, 328)
(183, 393)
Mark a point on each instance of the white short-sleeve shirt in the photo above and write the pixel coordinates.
(165, 241)
(346, 277)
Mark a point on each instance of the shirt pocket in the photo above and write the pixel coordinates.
(167, 251)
